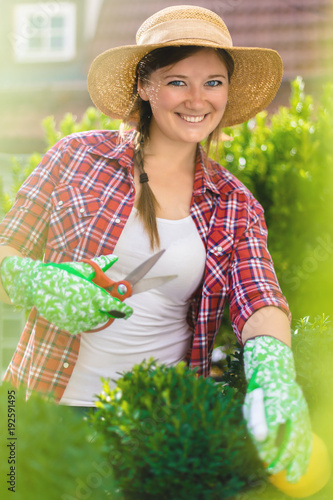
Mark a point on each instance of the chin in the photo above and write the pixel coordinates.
(196, 139)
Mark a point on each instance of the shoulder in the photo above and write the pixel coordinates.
(237, 208)
(108, 144)
(228, 186)
(92, 138)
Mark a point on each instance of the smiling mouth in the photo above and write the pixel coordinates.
(192, 119)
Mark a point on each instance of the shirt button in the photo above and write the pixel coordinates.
(117, 221)
(82, 210)
(219, 249)
(60, 203)
(66, 365)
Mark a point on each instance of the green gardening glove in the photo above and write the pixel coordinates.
(273, 399)
(63, 294)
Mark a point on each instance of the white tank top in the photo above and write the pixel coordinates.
(158, 326)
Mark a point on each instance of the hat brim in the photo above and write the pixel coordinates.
(256, 79)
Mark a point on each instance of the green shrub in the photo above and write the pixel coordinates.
(56, 455)
(286, 160)
(92, 120)
(312, 342)
(172, 435)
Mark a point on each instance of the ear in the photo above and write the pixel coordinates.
(142, 91)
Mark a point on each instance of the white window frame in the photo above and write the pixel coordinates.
(33, 20)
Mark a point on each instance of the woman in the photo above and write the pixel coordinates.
(99, 193)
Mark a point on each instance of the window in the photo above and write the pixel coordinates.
(44, 32)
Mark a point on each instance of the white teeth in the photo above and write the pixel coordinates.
(192, 119)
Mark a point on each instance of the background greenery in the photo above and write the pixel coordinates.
(57, 456)
(286, 160)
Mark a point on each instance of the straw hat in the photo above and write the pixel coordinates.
(254, 83)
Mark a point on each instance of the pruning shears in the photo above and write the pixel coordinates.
(133, 283)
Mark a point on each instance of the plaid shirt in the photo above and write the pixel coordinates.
(75, 205)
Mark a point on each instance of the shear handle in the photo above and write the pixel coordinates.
(118, 289)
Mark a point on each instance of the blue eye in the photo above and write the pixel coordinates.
(214, 83)
(176, 83)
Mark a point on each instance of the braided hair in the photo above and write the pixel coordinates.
(147, 203)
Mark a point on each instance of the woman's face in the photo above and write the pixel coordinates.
(188, 98)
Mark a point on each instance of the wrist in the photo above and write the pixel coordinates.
(279, 339)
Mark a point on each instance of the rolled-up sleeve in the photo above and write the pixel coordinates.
(253, 281)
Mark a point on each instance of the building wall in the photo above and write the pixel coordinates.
(301, 30)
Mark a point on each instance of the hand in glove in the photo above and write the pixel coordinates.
(274, 398)
(63, 294)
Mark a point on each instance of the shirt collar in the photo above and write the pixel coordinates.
(205, 175)
(122, 150)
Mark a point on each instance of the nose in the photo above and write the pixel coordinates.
(195, 98)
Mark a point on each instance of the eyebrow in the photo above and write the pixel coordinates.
(210, 77)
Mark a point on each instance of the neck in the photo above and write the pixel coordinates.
(172, 155)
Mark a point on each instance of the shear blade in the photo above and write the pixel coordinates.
(137, 274)
(149, 283)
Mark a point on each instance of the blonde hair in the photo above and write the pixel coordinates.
(158, 58)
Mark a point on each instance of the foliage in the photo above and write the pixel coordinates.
(5, 201)
(56, 455)
(286, 161)
(234, 375)
(171, 434)
(91, 120)
(312, 343)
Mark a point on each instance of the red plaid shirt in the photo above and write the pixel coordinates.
(75, 205)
